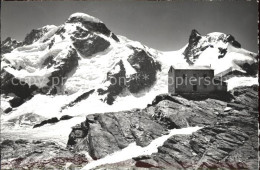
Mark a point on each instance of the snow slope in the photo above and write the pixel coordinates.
(57, 132)
(233, 58)
(242, 81)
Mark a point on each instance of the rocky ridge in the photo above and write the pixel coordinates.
(9, 44)
(227, 140)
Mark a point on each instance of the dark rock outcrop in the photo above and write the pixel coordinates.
(146, 69)
(91, 26)
(246, 97)
(48, 121)
(178, 112)
(222, 52)
(210, 147)
(232, 41)
(48, 62)
(80, 33)
(193, 41)
(83, 96)
(228, 139)
(10, 84)
(118, 83)
(24, 154)
(52, 43)
(103, 134)
(60, 32)
(251, 69)
(194, 37)
(98, 27)
(16, 101)
(62, 69)
(66, 117)
(7, 110)
(115, 37)
(91, 45)
(34, 35)
(9, 44)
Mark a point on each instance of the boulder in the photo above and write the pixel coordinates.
(103, 134)
(7, 110)
(16, 101)
(50, 121)
(66, 117)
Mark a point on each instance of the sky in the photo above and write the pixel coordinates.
(165, 26)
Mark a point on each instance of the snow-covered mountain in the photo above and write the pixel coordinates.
(9, 44)
(81, 67)
(221, 51)
(54, 80)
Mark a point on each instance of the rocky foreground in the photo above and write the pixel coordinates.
(26, 154)
(228, 139)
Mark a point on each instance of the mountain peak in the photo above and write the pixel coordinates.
(195, 32)
(194, 36)
(79, 17)
(9, 44)
(221, 51)
(91, 24)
